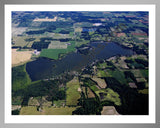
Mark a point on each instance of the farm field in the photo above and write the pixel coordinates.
(20, 78)
(57, 45)
(88, 93)
(73, 92)
(80, 63)
(100, 82)
(109, 110)
(18, 31)
(20, 41)
(55, 53)
(20, 57)
(31, 110)
(52, 53)
(109, 95)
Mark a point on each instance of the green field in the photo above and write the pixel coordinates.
(119, 75)
(54, 53)
(87, 82)
(31, 110)
(141, 73)
(20, 78)
(102, 73)
(20, 41)
(102, 65)
(72, 92)
(58, 103)
(109, 95)
(144, 91)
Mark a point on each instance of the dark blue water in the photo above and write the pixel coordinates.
(45, 68)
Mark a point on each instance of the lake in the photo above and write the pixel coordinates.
(44, 68)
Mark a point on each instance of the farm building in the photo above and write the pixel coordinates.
(36, 52)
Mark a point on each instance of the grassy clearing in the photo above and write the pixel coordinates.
(60, 111)
(79, 43)
(137, 73)
(78, 29)
(143, 91)
(57, 30)
(59, 103)
(109, 95)
(140, 79)
(21, 41)
(88, 93)
(86, 75)
(60, 36)
(18, 30)
(87, 82)
(119, 75)
(101, 82)
(144, 73)
(109, 110)
(17, 100)
(94, 87)
(54, 53)
(72, 92)
(121, 63)
(20, 78)
(33, 102)
(142, 36)
(57, 45)
(141, 74)
(102, 65)
(31, 110)
(102, 73)
(31, 42)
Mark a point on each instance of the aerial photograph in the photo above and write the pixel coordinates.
(80, 63)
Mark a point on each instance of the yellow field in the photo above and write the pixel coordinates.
(19, 57)
(31, 110)
(72, 92)
(45, 19)
(20, 41)
(78, 29)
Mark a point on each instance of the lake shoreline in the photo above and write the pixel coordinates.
(43, 68)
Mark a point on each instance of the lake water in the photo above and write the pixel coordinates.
(45, 68)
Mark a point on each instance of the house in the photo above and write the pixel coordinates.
(36, 52)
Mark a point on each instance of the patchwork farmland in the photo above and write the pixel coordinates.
(80, 63)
